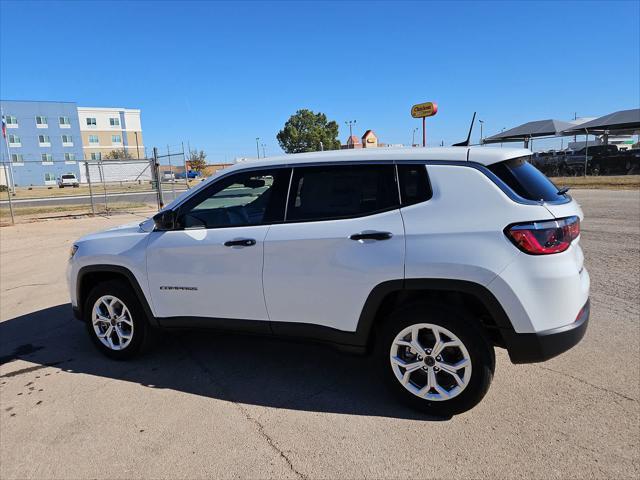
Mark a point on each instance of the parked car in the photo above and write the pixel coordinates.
(190, 174)
(168, 177)
(68, 180)
(428, 258)
(597, 159)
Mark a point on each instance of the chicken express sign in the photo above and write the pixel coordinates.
(421, 110)
(424, 110)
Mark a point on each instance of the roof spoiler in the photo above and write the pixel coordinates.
(468, 140)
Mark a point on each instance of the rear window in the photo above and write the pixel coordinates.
(68, 177)
(526, 180)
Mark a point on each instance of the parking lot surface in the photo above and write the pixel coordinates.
(225, 406)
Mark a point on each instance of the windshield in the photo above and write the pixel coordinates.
(526, 180)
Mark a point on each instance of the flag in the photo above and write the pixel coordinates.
(4, 127)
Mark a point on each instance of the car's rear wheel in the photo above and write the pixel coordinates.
(116, 321)
(435, 359)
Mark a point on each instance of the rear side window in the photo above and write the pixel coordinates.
(526, 180)
(414, 184)
(333, 192)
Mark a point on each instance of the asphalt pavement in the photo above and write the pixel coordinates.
(228, 406)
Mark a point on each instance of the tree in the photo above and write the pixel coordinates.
(118, 155)
(198, 160)
(306, 131)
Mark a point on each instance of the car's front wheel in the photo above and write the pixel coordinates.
(435, 359)
(116, 321)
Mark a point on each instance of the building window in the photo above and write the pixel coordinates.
(96, 156)
(69, 157)
(46, 158)
(49, 178)
(116, 139)
(67, 140)
(10, 120)
(114, 121)
(14, 141)
(41, 122)
(91, 122)
(93, 139)
(64, 121)
(17, 158)
(44, 140)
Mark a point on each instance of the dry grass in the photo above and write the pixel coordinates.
(98, 188)
(35, 213)
(622, 182)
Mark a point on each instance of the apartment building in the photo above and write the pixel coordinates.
(42, 142)
(105, 130)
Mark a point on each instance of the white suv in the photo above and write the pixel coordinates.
(427, 257)
(68, 180)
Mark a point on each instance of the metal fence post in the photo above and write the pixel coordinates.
(186, 173)
(156, 175)
(13, 220)
(104, 184)
(93, 207)
(173, 179)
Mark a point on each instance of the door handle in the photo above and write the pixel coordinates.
(242, 242)
(371, 236)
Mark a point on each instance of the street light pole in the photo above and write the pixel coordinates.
(258, 146)
(481, 125)
(263, 145)
(351, 123)
(413, 136)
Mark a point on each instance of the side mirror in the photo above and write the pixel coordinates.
(165, 220)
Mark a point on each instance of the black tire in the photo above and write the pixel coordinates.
(142, 332)
(468, 332)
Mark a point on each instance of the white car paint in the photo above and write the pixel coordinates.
(312, 273)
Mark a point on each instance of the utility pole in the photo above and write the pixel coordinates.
(575, 117)
(481, 125)
(258, 146)
(263, 145)
(503, 129)
(413, 137)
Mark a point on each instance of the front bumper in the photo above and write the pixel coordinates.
(541, 346)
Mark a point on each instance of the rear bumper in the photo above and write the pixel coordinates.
(541, 346)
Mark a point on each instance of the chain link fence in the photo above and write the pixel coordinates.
(96, 187)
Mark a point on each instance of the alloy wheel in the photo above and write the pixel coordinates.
(112, 322)
(430, 361)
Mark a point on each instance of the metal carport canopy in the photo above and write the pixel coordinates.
(624, 121)
(526, 131)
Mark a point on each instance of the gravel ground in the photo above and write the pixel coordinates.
(214, 405)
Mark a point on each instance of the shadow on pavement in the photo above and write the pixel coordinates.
(245, 369)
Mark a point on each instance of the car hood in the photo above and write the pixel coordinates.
(133, 228)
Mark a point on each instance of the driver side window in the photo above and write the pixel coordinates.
(243, 199)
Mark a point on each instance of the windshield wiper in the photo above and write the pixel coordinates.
(563, 190)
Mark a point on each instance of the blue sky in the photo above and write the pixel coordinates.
(218, 75)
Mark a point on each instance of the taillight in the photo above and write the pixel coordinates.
(543, 238)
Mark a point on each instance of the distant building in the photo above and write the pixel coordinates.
(352, 142)
(104, 130)
(44, 141)
(369, 139)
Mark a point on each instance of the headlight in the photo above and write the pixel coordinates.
(72, 252)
